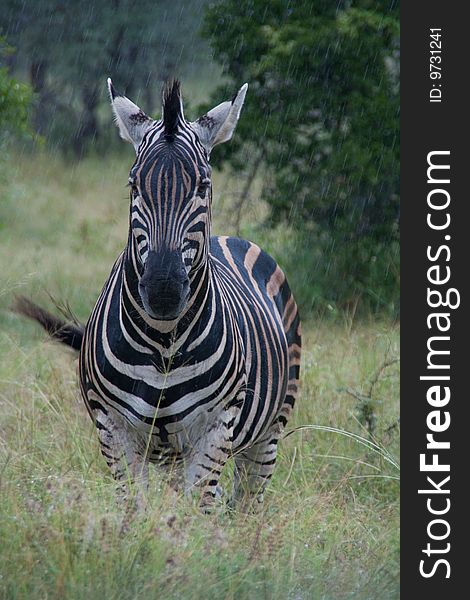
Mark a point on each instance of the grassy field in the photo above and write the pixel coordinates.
(329, 528)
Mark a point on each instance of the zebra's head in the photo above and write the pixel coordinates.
(171, 193)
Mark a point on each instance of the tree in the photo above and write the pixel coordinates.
(15, 104)
(322, 121)
(15, 101)
(68, 48)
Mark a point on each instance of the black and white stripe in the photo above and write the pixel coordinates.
(192, 351)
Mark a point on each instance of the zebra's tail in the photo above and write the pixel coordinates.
(70, 334)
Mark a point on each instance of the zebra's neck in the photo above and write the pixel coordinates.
(164, 334)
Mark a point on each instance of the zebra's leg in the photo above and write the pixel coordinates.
(255, 465)
(254, 468)
(208, 456)
(124, 454)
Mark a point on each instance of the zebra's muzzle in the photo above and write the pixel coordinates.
(164, 287)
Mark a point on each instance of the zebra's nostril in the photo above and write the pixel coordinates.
(163, 289)
(164, 298)
(164, 286)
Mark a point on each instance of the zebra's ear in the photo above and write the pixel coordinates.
(132, 122)
(217, 126)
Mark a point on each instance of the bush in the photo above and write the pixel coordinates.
(15, 101)
(321, 123)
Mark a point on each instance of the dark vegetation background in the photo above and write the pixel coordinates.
(318, 141)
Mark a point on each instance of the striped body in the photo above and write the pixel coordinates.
(231, 349)
(191, 354)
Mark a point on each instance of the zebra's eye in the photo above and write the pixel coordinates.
(203, 187)
(134, 189)
(131, 182)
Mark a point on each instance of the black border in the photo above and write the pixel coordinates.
(426, 127)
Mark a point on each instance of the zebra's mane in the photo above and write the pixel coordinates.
(171, 108)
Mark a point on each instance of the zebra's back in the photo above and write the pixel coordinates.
(269, 324)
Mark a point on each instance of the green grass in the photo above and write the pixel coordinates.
(329, 528)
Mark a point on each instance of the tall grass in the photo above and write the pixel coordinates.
(329, 528)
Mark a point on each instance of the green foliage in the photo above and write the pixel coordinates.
(68, 48)
(15, 101)
(322, 115)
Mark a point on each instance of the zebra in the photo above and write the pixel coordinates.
(191, 354)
